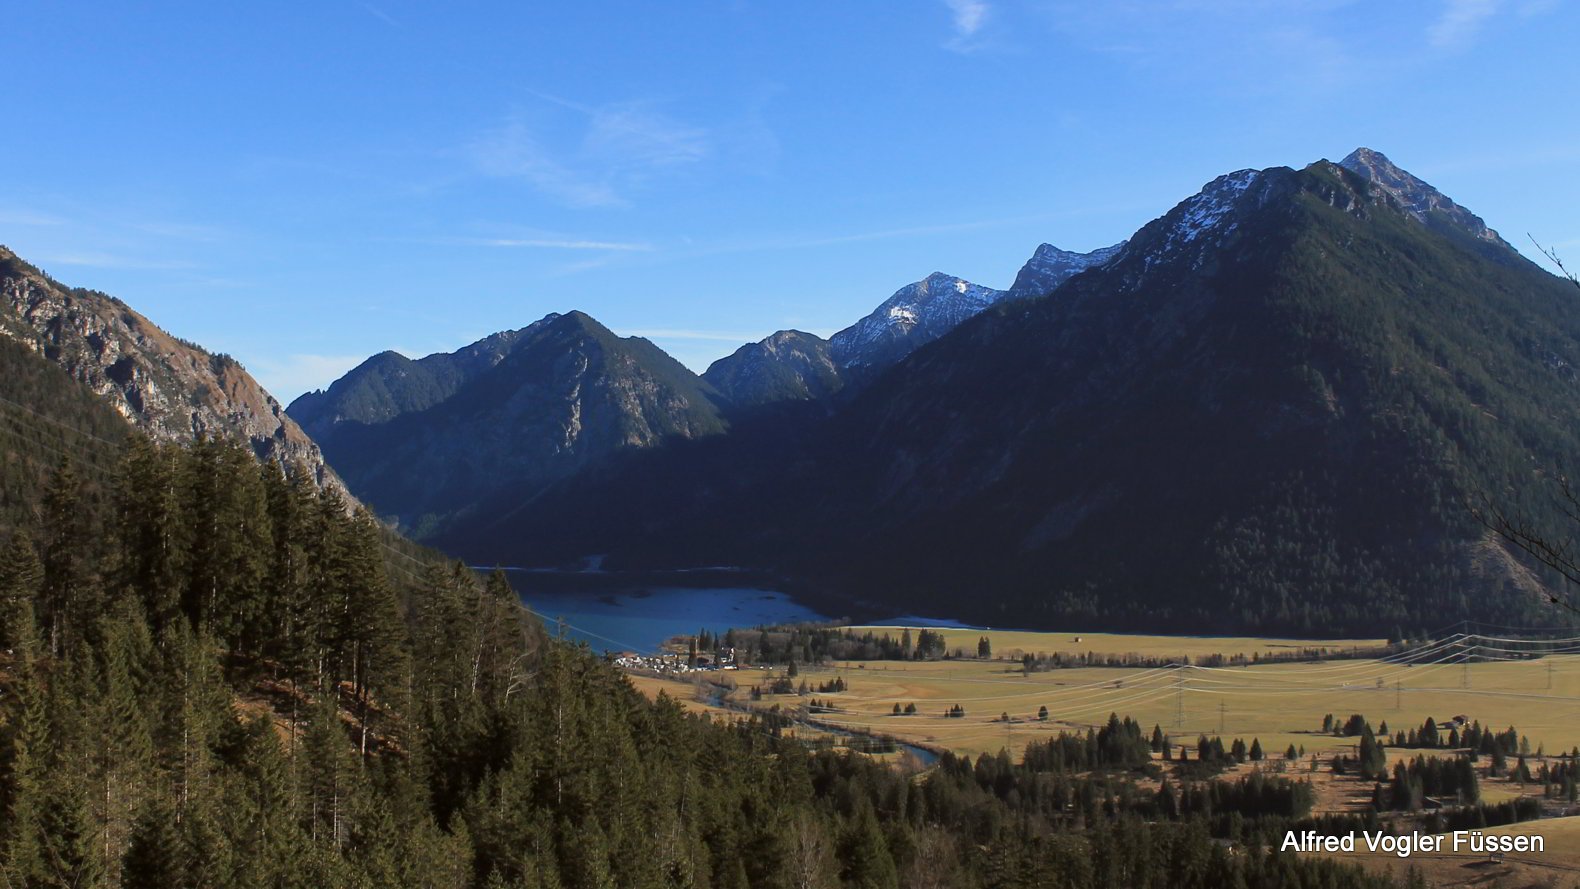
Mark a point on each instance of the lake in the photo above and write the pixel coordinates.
(642, 617)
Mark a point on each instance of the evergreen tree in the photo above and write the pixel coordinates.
(67, 598)
(156, 857)
(21, 581)
(864, 854)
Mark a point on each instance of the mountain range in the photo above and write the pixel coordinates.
(1267, 410)
(426, 439)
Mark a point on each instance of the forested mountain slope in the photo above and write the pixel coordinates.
(212, 680)
(1269, 411)
(565, 394)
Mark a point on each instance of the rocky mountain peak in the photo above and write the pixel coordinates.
(1050, 266)
(170, 388)
(915, 315)
(789, 365)
(1414, 195)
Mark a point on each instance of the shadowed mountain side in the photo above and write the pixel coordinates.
(1267, 412)
(568, 393)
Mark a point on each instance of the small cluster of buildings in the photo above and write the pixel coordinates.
(670, 663)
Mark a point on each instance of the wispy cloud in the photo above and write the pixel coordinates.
(378, 13)
(670, 333)
(559, 244)
(633, 137)
(113, 261)
(513, 152)
(969, 16)
(809, 242)
(24, 217)
(597, 157)
(288, 377)
(1460, 21)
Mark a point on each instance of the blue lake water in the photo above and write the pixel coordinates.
(641, 619)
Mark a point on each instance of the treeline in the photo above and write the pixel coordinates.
(820, 644)
(1118, 744)
(1446, 779)
(215, 682)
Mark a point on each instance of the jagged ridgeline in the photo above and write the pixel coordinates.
(81, 366)
(213, 681)
(1271, 410)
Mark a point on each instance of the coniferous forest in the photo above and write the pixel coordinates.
(216, 674)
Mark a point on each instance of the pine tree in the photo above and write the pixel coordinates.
(26, 791)
(67, 599)
(21, 581)
(864, 853)
(68, 839)
(150, 529)
(156, 856)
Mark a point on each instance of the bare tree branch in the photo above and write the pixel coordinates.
(1517, 530)
(1552, 256)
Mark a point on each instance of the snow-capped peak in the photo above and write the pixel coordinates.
(1208, 207)
(917, 313)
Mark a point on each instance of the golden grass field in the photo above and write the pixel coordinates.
(1279, 703)
(1013, 643)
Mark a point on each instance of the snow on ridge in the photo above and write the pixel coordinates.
(922, 312)
(1050, 267)
(1209, 206)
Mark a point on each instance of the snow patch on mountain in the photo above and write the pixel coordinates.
(916, 314)
(1049, 267)
(1203, 212)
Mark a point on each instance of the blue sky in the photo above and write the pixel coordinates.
(305, 184)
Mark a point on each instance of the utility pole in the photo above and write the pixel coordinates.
(1398, 695)
(1220, 718)
(1179, 699)
(1549, 671)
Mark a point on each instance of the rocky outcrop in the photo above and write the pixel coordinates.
(172, 389)
(914, 316)
(790, 365)
(567, 394)
(1415, 196)
(1050, 267)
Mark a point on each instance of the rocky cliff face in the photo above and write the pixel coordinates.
(567, 395)
(1049, 267)
(1416, 197)
(172, 389)
(790, 365)
(914, 316)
